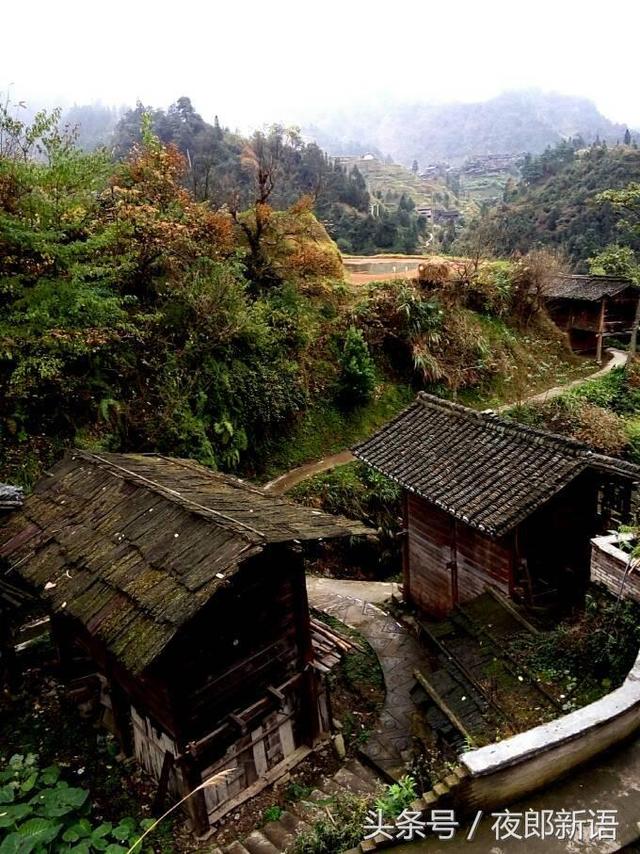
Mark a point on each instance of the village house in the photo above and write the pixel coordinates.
(441, 216)
(177, 599)
(492, 503)
(591, 308)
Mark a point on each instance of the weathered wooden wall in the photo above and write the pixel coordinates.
(150, 747)
(450, 562)
(247, 639)
(609, 566)
(252, 756)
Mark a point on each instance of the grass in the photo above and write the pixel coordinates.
(537, 366)
(327, 429)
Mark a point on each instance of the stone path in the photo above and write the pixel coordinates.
(292, 478)
(399, 654)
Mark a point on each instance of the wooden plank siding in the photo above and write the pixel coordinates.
(450, 562)
(246, 639)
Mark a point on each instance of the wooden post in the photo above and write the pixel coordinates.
(455, 593)
(190, 778)
(121, 709)
(310, 714)
(9, 676)
(157, 807)
(406, 563)
(600, 334)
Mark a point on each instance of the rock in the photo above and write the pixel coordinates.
(338, 743)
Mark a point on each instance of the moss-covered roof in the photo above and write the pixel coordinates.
(133, 546)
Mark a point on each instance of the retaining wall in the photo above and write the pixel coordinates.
(507, 770)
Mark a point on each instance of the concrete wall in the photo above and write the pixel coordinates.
(507, 770)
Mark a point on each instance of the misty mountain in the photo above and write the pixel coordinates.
(512, 123)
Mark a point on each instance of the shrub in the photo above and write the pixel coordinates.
(342, 829)
(357, 369)
(397, 797)
(272, 813)
(599, 645)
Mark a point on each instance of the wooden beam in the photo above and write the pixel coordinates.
(277, 695)
(600, 332)
(190, 779)
(239, 722)
(442, 704)
(168, 763)
(309, 712)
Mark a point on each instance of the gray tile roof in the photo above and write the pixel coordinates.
(486, 471)
(585, 288)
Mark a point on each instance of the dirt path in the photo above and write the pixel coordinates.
(618, 360)
(292, 478)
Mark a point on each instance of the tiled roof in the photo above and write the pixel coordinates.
(134, 546)
(585, 288)
(486, 471)
(10, 497)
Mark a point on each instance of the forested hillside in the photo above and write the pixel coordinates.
(556, 203)
(216, 171)
(511, 123)
(134, 317)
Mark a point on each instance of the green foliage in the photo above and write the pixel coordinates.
(340, 830)
(604, 412)
(616, 260)
(295, 791)
(357, 371)
(595, 648)
(556, 204)
(397, 797)
(40, 812)
(272, 813)
(359, 492)
(126, 321)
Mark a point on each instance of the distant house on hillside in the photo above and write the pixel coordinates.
(488, 502)
(591, 309)
(425, 211)
(178, 602)
(442, 216)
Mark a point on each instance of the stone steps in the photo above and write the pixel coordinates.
(439, 796)
(276, 837)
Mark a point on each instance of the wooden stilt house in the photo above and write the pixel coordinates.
(179, 595)
(592, 309)
(492, 503)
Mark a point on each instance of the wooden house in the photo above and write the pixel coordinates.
(178, 595)
(591, 309)
(492, 503)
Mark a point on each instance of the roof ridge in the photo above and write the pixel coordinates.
(227, 522)
(493, 420)
(607, 277)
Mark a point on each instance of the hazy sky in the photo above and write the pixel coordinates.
(254, 62)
